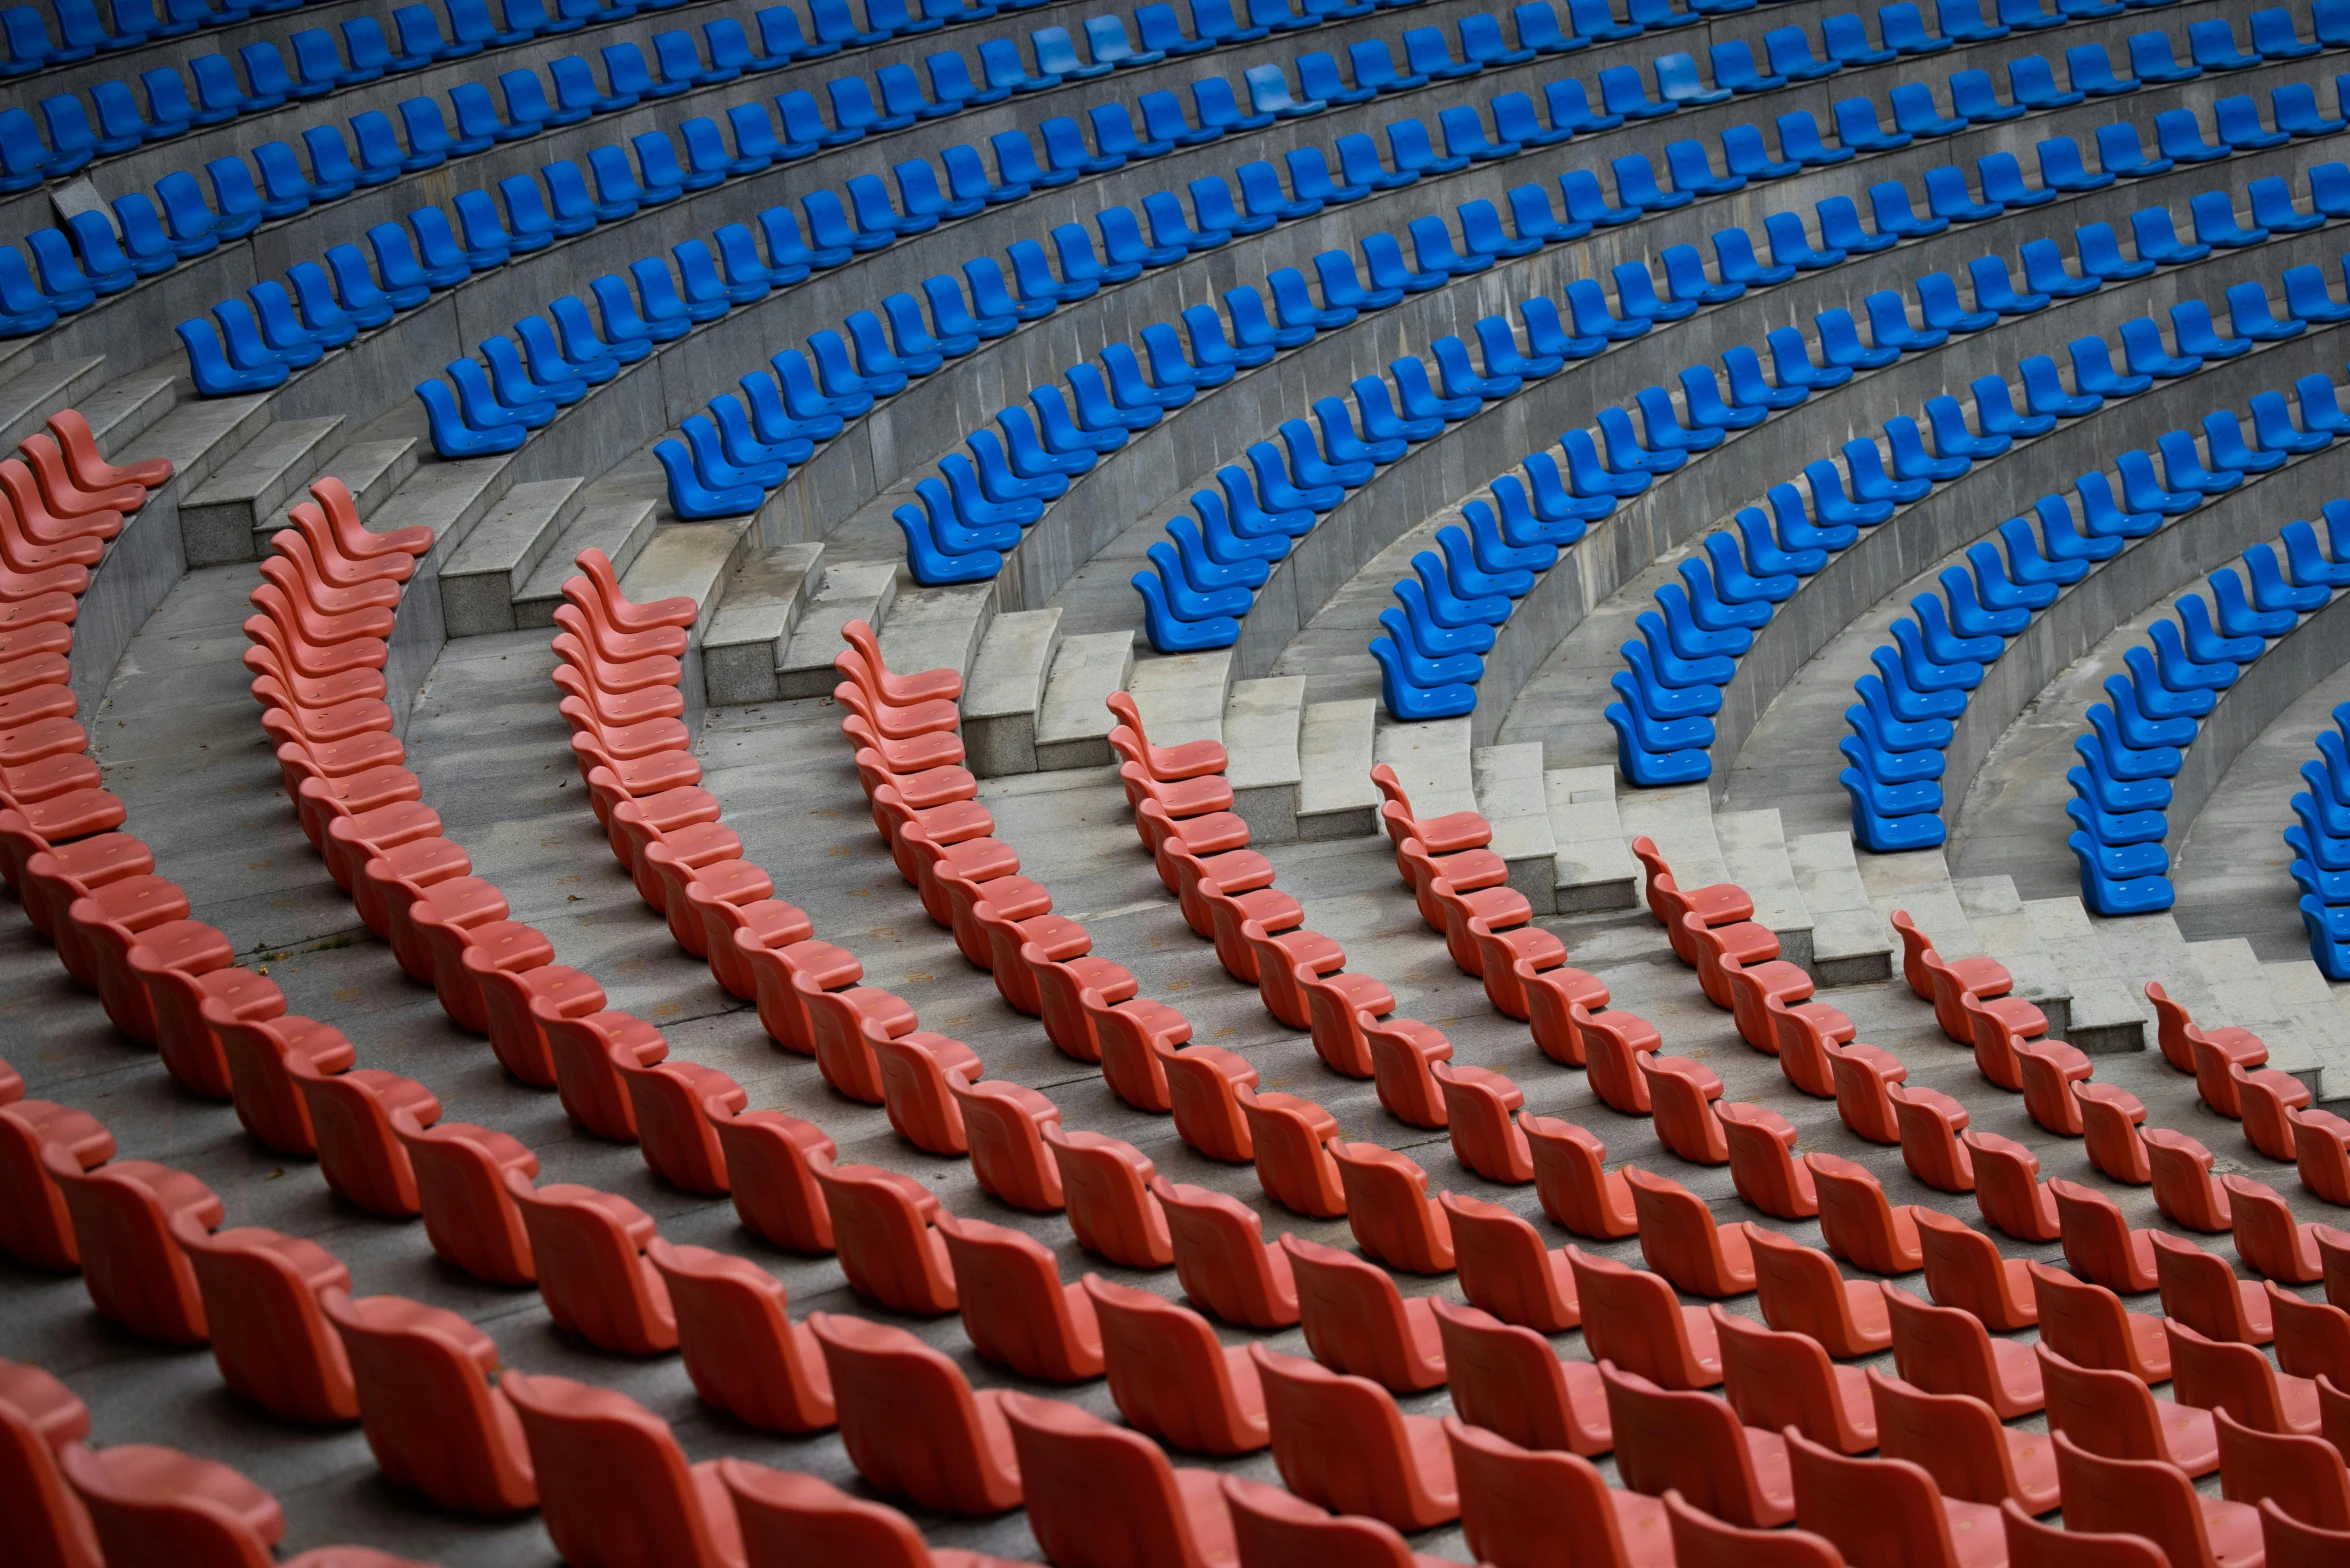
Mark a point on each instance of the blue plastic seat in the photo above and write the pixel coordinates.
(2239, 125)
(2213, 43)
(2214, 213)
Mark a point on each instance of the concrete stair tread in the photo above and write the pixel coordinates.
(1511, 794)
(38, 390)
(2149, 947)
(2237, 988)
(123, 409)
(2313, 1038)
(481, 577)
(1072, 722)
(448, 498)
(1593, 868)
(756, 617)
(1433, 764)
(1004, 692)
(1181, 697)
(1680, 822)
(688, 560)
(1849, 944)
(2102, 1011)
(221, 515)
(851, 590)
(199, 434)
(1919, 882)
(373, 470)
(1754, 847)
(1335, 797)
(1262, 738)
(619, 525)
(937, 628)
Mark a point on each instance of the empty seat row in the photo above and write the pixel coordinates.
(2320, 840)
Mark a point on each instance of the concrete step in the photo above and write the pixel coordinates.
(1182, 697)
(619, 525)
(1919, 882)
(2140, 948)
(372, 469)
(1072, 723)
(1005, 691)
(689, 560)
(1432, 763)
(200, 434)
(1336, 798)
(36, 391)
(1754, 847)
(218, 519)
(1849, 944)
(852, 590)
(1264, 741)
(2027, 942)
(2103, 1012)
(448, 498)
(937, 628)
(1594, 869)
(127, 407)
(1510, 792)
(2237, 988)
(1680, 822)
(2313, 1039)
(480, 580)
(761, 609)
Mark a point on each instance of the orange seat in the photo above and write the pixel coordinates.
(771, 1160)
(2110, 1118)
(916, 1069)
(1746, 945)
(912, 1425)
(614, 1487)
(2212, 1375)
(270, 1339)
(2177, 1034)
(1446, 835)
(1274, 1528)
(1762, 1165)
(1557, 1000)
(2292, 1544)
(1965, 1270)
(1523, 1508)
(2113, 1413)
(1403, 1051)
(790, 1517)
(1507, 1379)
(881, 1230)
(1613, 1043)
(361, 1121)
(126, 1215)
(2031, 1544)
(1857, 1222)
(2148, 1498)
(1699, 1540)
(2008, 1191)
(2267, 1236)
(2221, 1082)
(1944, 1350)
(1724, 903)
(1874, 1507)
(1172, 1378)
(2185, 1189)
(1569, 1179)
(1958, 1439)
(678, 1107)
(2304, 1474)
(2086, 1324)
(744, 1355)
(1098, 1493)
(1983, 976)
(35, 1227)
(48, 1526)
(1340, 1441)
(2312, 1337)
(435, 1421)
(1356, 1321)
(1999, 1028)
(1015, 1308)
(158, 1505)
(1333, 1005)
(1681, 1241)
(268, 1099)
(1057, 990)
(1692, 1443)
(1222, 1259)
(1633, 1319)
(458, 1173)
(1477, 1103)
(1185, 760)
(1505, 1269)
(1863, 1074)
(2201, 1290)
(1777, 1381)
(1681, 1093)
(2048, 1070)
(587, 1079)
(1394, 1220)
(2321, 1151)
(1762, 994)
(2266, 1100)
(1930, 1123)
(1293, 1166)
(592, 1273)
(2099, 1245)
(1105, 1185)
(1004, 1123)
(1801, 1291)
(1805, 1036)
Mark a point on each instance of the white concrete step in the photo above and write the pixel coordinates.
(1336, 798)
(38, 390)
(1511, 794)
(1262, 734)
(2102, 1013)
(755, 621)
(219, 517)
(1680, 822)
(689, 560)
(127, 407)
(1432, 763)
(2026, 942)
(1754, 847)
(2239, 989)
(2315, 1043)
(1073, 723)
(1919, 882)
(852, 590)
(936, 628)
(619, 525)
(2149, 947)
(1849, 944)
(1594, 868)
(1005, 690)
(480, 580)
(1181, 697)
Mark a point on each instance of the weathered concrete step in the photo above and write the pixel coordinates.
(1181, 697)
(1918, 882)
(852, 590)
(1754, 847)
(1005, 690)
(1432, 763)
(2230, 985)
(1072, 723)
(36, 391)
(200, 434)
(619, 525)
(449, 498)
(2313, 1039)
(692, 561)
(1510, 793)
(2026, 940)
(2139, 948)
(936, 628)
(755, 621)
(1262, 731)
(480, 580)
(1849, 944)
(1680, 822)
(127, 407)
(219, 518)
(1335, 796)
(1593, 869)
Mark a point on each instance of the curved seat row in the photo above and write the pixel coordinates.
(2320, 841)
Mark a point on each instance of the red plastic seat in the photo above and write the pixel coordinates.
(1574, 1187)
(2312, 1337)
(48, 1526)
(1507, 1379)
(1105, 1185)
(1763, 1167)
(1478, 1102)
(1699, 1540)
(1681, 1241)
(2267, 1237)
(268, 1099)
(458, 1173)
(2304, 1474)
(1015, 1308)
(2099, 1245)
(2213, 1375)
(1446, 835)
(882, 1232)
(1863, 1074)
(1958, 1439)
(1340, 1441)
(2148, 1498)
(2221, 1082)
(435, 1421)
(790, 1517)
(1403, 1051)
(1186, 759)
(1876, 1510)
(678, 1107)
(126, 1214)
(1804, 1036)
(1356, 1321)
(1930, 1123)
(1289, 1133)
(1801, 1291)
(2048, 1070)
(1983, 976)
(1505, 1269)
(1964, 1269)
(1557, 1001)
(2111, 1412)
(1693, 1443)
(261, 1302)
(1172, 1378)
(1746, 945)
(1633, 1319)
(2000, 1028)
(1222, 1259)
(2201, 1290)
(916, 1070)
(2008, 1190)
(1778, 1380)
(588, 1247)
(2086, 1324)
(1724, 903)
(2184, 1187)
(2176, 1033)
(152, 1505)
(1004, 1123)
(743, 1354)
(1524, 1508)
(1394, 1220)
(1099, 1494)
(614, 1488)
(1682, 1093)
(2110, 1118)
(1857, 1222)
(1274, 1528)
(912, 1425)
(1944, 1350)
(2031, 1544)
(1613, 1043)
(35, 1226)
(2321, 1151)
(2292, 1544)
(1333, 1003)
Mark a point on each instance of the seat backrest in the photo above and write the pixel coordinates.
(1801, 1288)
(1353, 1313)
(1630, 1317)
(1682, 1439)
(1335, 1436)
(614, 1488)
(48, 1527)
(1532, 1508)
(2143, 1497)
(1702, 1541)
(433, 1418)
(2304, 1473)
(2210, 1375)
(909, 1419)
(1504, 1378)
(2108, 1411)
(1273, 1528)
(1943, 1349)
(1775, 1380)
(2199, 1288)
(1165, 1366)
(2085, 1322)
(2031, 1544)
(1098, 1493)
(1503, 1266)
(1956, 1438)
(789, 1517)
(1875, 1510)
